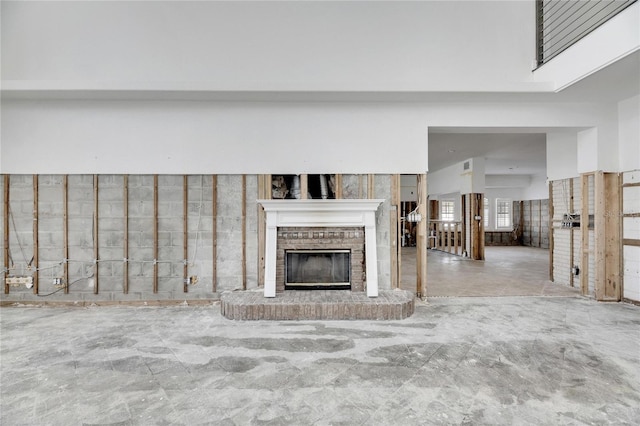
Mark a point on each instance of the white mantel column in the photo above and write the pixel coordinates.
(371, 251)
(270, 256)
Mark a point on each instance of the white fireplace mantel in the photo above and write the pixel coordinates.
(321, 213)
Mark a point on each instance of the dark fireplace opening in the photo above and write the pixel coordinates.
(318, 269)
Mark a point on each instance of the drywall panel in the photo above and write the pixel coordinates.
(562, 155)
(629, 133)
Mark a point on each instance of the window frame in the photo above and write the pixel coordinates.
(500, 215)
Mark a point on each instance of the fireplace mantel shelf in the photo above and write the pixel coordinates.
(321, 213)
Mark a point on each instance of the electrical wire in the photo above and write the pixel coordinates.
(15, 230)
(63, 287)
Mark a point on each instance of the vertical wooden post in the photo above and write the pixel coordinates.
(5, 223)
(244, 226)
(584, 233)
(36, 274)
(360, 186)
(339, 188)
(421, 240)
(607, 236)
(371, 190)
(477, 226)
(551, 248)
(96, 250)
(185, 233)
(65, 231)
(465, 206)
(264, 192)
(125, 208)
(394, 231)
(214, 231)
(304, 186)
(539, 223)
(572, 261)
(155, 233)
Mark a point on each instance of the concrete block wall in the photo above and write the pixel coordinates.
(535, 223)
(107, 273)
(631, 231)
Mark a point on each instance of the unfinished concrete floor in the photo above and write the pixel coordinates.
(509, 360)
(506, 271)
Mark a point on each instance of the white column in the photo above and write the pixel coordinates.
(270, 256)
(371, 253)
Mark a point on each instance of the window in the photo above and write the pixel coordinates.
(503, 213)
(486, 213)
(446, 210)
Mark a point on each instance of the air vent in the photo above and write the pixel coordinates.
(467, 165)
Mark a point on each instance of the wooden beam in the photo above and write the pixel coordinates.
(65, 231)
(244, 227)
(214, 229)
(304, 186)
(421, 238)
(607, 236)
(360, 186)
(371, 189)
(551, 247)
(125, 208)
(185, 233)
(572, 261)
(339, 188)
(155, 233)
(394, 234)
(584, 234)
(264, 192)
(631, 242)
(539, 223)
(96, 249)
(5, 227)
(36, 251)
(630, 184)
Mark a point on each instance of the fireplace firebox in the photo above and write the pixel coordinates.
(317, 269)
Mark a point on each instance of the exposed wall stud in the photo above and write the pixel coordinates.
(395, 231)
(244, 228)
(125, 207)
(155, 233)
(214, 228)
(371, 190)
(551, 213)
(185, 233)
(65, 231)
(36, 251)
(339, 189)
(96, 250)
(264, 192)
(584, 233)
(421, 240)
(5, 220)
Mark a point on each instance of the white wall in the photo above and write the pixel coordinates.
(629, 133)
(283, 46)
(562, 155)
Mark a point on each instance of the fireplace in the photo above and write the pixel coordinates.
(321, 226)
(317, 269)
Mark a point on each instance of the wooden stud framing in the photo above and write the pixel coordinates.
(551, 248)
(65, 231)
(607, 236)
(360, 186)
(125, 207)
(5, 227)
(584, 234)
(264, 192)
(36, 274)
(371, 189)
(571, 236)
(214, 229)
(304, 186)
(185, 233)
(339, 188)
(421, 238)
(244, 227)
(395, 231)
(155, 233)
(96, 250)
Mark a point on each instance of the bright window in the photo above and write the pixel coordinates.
(446, 210)
(486, 212)
(503, 213)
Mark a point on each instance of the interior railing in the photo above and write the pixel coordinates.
(562, 23)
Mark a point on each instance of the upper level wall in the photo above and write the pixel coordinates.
(237, 45)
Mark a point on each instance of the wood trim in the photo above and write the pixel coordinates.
(360, 186)
(244, 227)
(155, 233)
(264, 192)
(125, 249)
(631, 215)
(65, 231)
(572, 260)
(214, 232)
(421, 242)
(371, 189)
(631, 242)
(36, 251)
(629, 185)
(96, 240)
(612, 233)
(304, 186)
(185, 233)
(5, 225)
